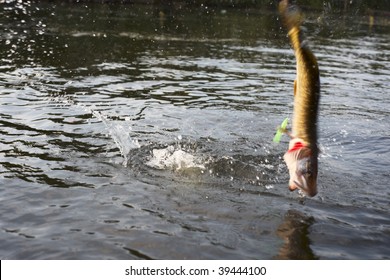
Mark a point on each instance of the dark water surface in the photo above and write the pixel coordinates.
(127, 134)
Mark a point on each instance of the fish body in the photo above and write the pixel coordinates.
(302, 156)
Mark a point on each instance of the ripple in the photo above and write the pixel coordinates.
(150, 141)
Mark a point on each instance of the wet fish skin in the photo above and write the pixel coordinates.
(302, 156)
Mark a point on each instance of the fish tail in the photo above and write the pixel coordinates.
(292, 18)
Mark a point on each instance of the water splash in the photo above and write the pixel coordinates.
(119, 132)
(175, 158)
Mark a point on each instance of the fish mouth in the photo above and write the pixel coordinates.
(303, 186)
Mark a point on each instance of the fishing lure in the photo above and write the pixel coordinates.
(281, 129)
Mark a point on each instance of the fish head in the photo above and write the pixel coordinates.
(302, 163)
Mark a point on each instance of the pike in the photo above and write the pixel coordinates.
(302, 155)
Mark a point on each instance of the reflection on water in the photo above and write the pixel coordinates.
(128, 134)
(295, 233)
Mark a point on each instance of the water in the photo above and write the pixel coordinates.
(125, 134)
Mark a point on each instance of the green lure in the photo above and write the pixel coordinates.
(280, 131)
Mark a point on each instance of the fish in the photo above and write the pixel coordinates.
(302, 155)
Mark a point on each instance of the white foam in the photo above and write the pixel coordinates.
(174, 158)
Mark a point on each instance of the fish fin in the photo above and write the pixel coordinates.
(290, 158)
(292, 18)
(295, 87)
(291, 14)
